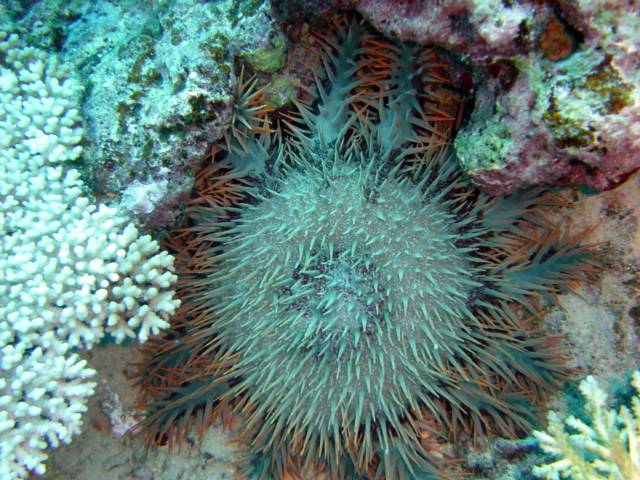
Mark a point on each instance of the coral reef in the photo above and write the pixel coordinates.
(157, 79)
(604, 447)
(314, 237)
(556, 99)
(346, 289)
(70, 272)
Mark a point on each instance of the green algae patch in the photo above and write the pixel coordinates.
(574, 94)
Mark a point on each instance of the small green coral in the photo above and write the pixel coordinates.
(485, 146)
(604, 449)
(268, 59)
(280, 91)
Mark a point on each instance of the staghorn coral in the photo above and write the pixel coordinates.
(347, 291)
(605, 448)
(71, 272)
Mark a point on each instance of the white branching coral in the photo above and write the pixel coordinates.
(70, 271)
(606, 448)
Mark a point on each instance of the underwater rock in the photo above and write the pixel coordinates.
(567, 122)
(556, 98)
(478, 29)
(569, 118)
(613, 24)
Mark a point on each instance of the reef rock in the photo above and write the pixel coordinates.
(569, 122)
(570, 113)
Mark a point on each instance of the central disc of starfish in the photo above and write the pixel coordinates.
(341, 299)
